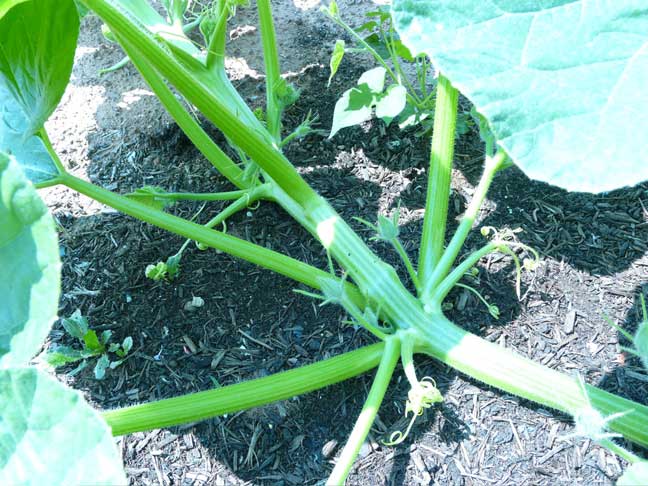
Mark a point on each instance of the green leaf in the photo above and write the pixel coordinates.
(411, 116)
(562, 82)
(355, 105)
(105, 336)
(156, 272)
(127, 345)
(62, 355)
(636, 474)
(173, 266)
(100, 368)
(76, 325)
(374, 79)
(29, 259)
(37, 44)
(115, 364)
(30, 151)
(376, 43)
(336, 59)
(392, 103)
(91, 342)
(82, 9)
(332, 9)
(6, 5)
(382, 12)
(38, 41)
(36, 446)
(402, 50)
(367, 27)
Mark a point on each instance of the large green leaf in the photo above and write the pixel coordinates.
(37, 44)
(30, 266)
(6, 5)
(562, 82)
(50, 435)
(29, 151)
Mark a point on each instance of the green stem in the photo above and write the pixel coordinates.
(408, 263)
(457, 274)
(190, 26)
(481, 298)
(438, 190)
(50, 150)
(241, 203)
(509, 371)
(196, 87)
(201, 196)
(403, 79)
(256, 254)
(379, 282)
(273, 71)
(491, 166)
(216, 45)
(421, 74)
(368, 414)
(242, 396)
(115, 67)
(183, 118)
(299, 199)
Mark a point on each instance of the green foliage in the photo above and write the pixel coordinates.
(287, 94)
(50, 435)
(336, 58)
(92, 346)
(373, 296)
(36, 411)
(640, 339)
(387, 229)
(356, 105)
(32, 80)
(167, 270)
(564, 115)
(30, 264)
(378, 38)
(7, 5)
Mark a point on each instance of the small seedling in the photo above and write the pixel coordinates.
(92, 346)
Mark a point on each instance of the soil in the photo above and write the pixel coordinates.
(594, 251)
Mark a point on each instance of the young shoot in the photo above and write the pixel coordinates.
(304, 129)
(92, 346)
(334, 291)
(387, 230)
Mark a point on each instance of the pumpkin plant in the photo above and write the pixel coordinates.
(573, 117)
